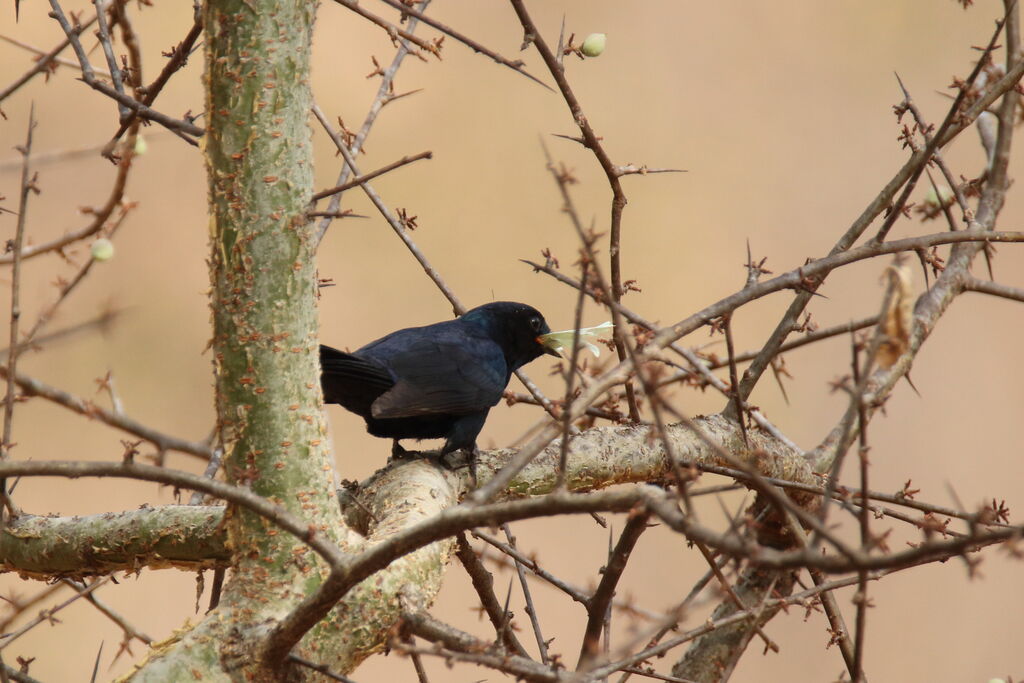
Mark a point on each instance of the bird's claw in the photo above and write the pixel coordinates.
(397, 452)
(468, 461)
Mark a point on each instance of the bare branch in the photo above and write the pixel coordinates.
(475, 46)
(601, 600)
(233, 494)
(483, 582)
(45, 62)
(164, 442)
(371, 175)
(27, 186)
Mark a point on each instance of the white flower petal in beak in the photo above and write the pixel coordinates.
(563, 339)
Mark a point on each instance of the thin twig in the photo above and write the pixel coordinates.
(47, 57)
(164, 442)
(371, 175)
(108, 53)
(856, 403)
(47, 614)
(19, 607)
(796, 598)
(99, 216)
(212, 467)
(514, 397)
(923, 128)
(27, 186)
(791, 280)
(178, 59)
(43, 63)
(483, 582)
(102, 322)
(455, 645)
(393, 31)
(937, 140)
(421, 673)
(129, 630)
(883, 201)
(701, 367)
(731, 592)
(570, 376)
(809, 338)
(66, 288)
(383, 97)
(864, 519)
(403, 234)
(391, 219)
(601, 600)
(593, 143)
(184, 128)
(735, 408)
(562, 180)
(623, 606)
(531, 610)
(515, 65)
(519, 558)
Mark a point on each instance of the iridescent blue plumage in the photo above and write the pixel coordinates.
(437, 381)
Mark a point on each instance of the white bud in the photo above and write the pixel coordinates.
(593, 45)
(140, 145)
(102, 249)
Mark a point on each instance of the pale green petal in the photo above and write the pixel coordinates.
(563, 339)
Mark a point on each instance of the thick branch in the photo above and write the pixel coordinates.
(183, 536)
(718, 651)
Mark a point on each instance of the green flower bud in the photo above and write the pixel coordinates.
(594, 44)
(102, 249)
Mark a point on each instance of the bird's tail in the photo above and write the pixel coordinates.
(351, 381)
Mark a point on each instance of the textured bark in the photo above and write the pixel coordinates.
(182, 536)
(265, 346)
(620, 454)
(400, 499)
(713, 656)
(190, 537)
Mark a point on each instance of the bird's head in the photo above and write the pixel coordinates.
(516, 327)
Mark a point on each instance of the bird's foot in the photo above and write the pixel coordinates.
(399, 453)
(472, 467)
(468, 460)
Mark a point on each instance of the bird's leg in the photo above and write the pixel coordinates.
(471, 453)
(469, 460)
(397, 452)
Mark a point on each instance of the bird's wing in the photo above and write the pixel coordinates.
(443, 377)
(352, 381)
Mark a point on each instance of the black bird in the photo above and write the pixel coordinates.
(437, 381)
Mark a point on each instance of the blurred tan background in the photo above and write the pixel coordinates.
(780, 112)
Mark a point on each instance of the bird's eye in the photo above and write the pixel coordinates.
(535, 324)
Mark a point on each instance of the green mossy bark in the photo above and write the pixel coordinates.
(259, 161)
(183, 536)
(259, 155)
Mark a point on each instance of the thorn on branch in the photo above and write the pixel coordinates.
(131, 449)
(377, 69)
(408, 222)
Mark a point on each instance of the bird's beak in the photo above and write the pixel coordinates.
(549, 346)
